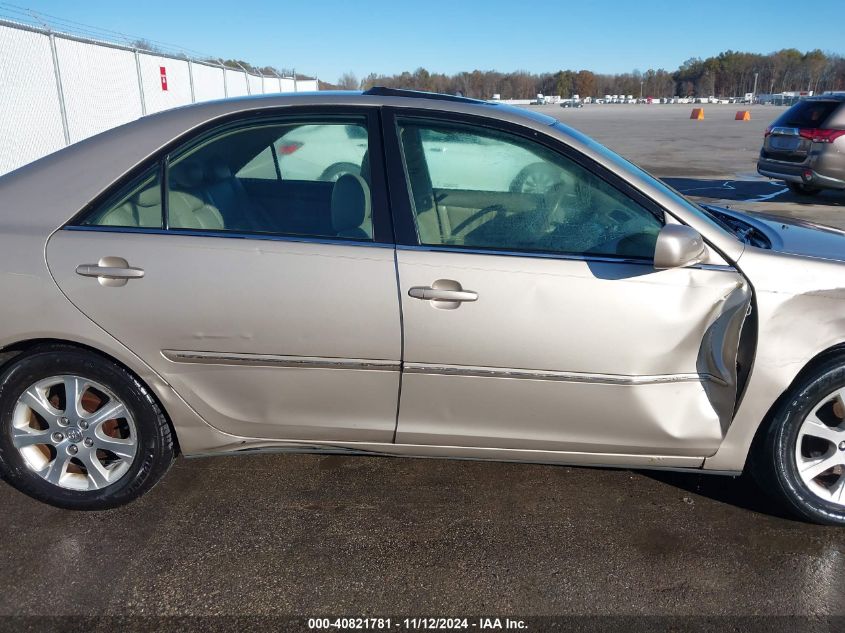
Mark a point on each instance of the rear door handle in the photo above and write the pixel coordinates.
(110, 271)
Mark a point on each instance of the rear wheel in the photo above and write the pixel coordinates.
(79, 432)
(803, 190)
(802, 458)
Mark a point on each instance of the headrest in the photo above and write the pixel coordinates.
(149, 197)
(350, 202)
(187, 174)
(218, 169)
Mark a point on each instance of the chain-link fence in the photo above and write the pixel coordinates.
(57, 89)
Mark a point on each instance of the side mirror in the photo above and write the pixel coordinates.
(678, 246)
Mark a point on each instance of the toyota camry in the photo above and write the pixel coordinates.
(444, 278)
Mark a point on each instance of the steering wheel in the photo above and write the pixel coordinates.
(493, 208)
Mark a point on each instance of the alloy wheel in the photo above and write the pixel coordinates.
(74, 432)
(820, 449)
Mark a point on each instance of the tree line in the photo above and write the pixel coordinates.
(729, 74)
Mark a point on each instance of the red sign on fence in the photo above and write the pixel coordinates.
(163, 72)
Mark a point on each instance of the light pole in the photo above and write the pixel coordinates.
(754, 90)
(641, 89)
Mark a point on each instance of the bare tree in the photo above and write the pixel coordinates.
(348, 81)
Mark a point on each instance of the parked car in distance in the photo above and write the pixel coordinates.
(203, 282)
(805, 146)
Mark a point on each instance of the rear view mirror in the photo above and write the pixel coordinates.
(677, 246)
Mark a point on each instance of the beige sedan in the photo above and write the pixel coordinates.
(161, 299)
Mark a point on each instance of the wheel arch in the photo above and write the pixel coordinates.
(820, 359)
(25, 347)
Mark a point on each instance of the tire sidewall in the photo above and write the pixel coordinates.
(783, 439)
(29, 370)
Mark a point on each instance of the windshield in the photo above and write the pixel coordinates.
(628, 166)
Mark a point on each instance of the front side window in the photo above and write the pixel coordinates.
(479, 188)
(294, 178)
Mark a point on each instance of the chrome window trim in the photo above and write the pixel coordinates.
(543, 255)
(274, 237)
(274, 360)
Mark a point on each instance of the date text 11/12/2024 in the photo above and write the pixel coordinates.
(417, 624)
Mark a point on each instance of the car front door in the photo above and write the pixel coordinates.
(534, 318)
(262, 289)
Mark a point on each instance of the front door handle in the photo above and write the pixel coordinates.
(445, 294)
(110, 271)
(427, 293)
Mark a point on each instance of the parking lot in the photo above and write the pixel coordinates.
(713, 160)
(316, 535)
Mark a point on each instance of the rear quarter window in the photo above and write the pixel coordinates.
(809, 114)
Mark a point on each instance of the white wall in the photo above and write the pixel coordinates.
(30, 115)
(102, 86)
(208, 82)
(178, 76)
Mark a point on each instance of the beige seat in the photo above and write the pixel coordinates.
(141, 210)
(187, 205)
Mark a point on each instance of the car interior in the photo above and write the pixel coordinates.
(204, 193)
(579, 213)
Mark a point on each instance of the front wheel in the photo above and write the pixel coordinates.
(803, 190)
(78, 431)
(802, 456)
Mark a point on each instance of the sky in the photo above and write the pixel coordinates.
(327, 38)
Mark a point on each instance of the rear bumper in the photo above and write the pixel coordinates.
(794, 172)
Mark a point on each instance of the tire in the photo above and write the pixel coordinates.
(139, 430)
(333, 172)
(776, 463)
(803, 190)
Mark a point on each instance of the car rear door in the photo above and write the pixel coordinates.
(537, 321)
(268, 302)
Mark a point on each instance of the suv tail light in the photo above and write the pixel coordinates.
(819, 135)
(768, 131)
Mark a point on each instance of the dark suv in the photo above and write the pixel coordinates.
(805, 146)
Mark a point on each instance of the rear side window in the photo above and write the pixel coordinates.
(296, 178)
(808, 114)
(137, 205)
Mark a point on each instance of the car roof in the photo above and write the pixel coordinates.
(381, 96)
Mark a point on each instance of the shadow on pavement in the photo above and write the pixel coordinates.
(751, 191)
(741, 492)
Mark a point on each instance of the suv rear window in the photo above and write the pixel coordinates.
(808, 114)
